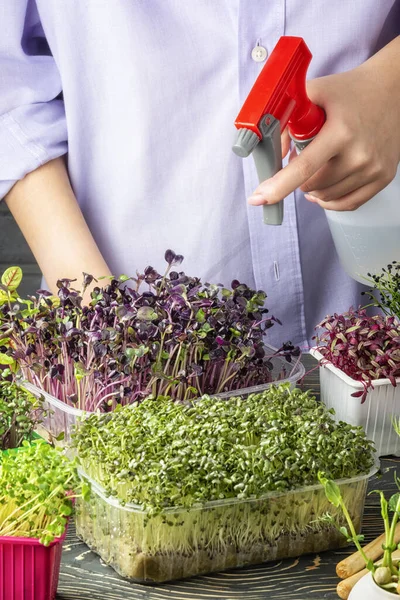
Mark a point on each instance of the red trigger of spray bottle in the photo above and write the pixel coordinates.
(278, 99)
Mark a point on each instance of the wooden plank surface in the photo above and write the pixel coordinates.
(84, 577)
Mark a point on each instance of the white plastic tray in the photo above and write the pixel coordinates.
(375, 415)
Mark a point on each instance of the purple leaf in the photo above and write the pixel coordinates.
(358, 394)
(169, 256)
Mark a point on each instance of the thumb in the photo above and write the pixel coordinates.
(317, 90)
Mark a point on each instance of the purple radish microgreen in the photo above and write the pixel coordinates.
(169, 335)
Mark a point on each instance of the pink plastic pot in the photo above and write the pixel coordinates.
(29, 570)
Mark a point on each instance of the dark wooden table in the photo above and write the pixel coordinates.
(84, 576)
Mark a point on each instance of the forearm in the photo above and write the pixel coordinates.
(45, 208)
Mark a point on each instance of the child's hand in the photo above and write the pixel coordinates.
(356, 153)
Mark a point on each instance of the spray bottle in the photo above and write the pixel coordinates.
(366, 239)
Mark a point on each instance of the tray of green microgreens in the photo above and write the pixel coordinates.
(180, 489)
(37, 490)
(160, 453)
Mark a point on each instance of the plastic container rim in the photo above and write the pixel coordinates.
(349, 380)
(130, 507)
(77, 412)
(32, 541)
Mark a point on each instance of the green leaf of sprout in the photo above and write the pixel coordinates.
(353, 328)
(11, 278)
(200, 316)
(85, 490)
(79, 371)
(147, 313)
(332, 490)
(5, 359)
(394, 503)
(370, 565)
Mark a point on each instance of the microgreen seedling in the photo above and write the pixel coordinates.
(159, 454)
(364, 347)
(20, 413)
(214, 483)
(37, 488)
(387, 573)
(169, 335)
(385, 291)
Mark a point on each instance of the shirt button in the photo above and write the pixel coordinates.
(259, 53)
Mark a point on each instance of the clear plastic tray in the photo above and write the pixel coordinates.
(219, 535)
(62, 417)
(374, 415)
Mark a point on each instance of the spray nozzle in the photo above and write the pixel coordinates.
(277, 99)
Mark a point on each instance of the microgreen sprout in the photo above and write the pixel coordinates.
(364, 347)
(36, 492)
(385, 291)
(167, 334)
(9, 283)
(20, 413)
(234, 471)
(160, 454)
(387, 573)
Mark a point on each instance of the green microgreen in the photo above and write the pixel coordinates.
(385, 291)
(36, 492)
(159, 454)
(386, 573)
(20, 414)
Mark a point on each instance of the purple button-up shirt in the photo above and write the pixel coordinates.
(151, 89)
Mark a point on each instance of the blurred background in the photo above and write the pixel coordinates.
(14, 251)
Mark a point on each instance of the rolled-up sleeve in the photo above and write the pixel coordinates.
(32, 119)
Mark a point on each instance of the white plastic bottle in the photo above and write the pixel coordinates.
(368, 238)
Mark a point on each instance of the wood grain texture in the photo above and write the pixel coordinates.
(84, 577)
